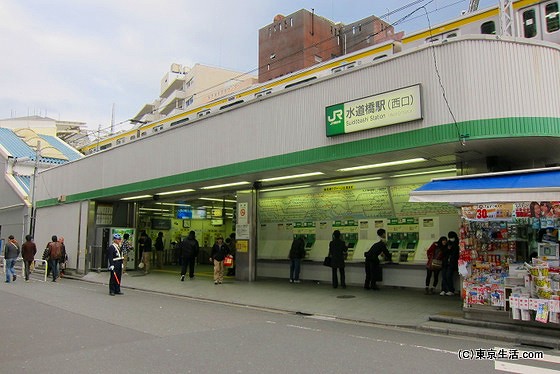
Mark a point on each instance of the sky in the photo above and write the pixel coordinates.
(76, 60)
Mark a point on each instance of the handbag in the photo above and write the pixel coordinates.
(436, 264)
(327, 261)
(228, 261)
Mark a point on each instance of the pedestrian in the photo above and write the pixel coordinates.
(11, 253)
(434, 264)
(54, 253)
(63, 257)
(159, 250)
(125, 248)
(28, 252)
(189, 251)
(233, 251)
(374, 272)
(297, 253)
(338, 252)
(219, 251)
(450, 264)
(114, 256)
(145, 244)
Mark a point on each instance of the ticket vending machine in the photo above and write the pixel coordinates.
(408, 247)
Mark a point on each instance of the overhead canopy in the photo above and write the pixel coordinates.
(522, 185)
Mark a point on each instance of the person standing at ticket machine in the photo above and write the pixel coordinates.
(373, 265)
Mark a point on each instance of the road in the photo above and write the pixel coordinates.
(75, 327)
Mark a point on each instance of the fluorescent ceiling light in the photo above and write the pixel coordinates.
(215, 199)
(424, 172)
(350, 181)
(155, 209)
(225, 185)
(383, 164)
(291, 176)
(137, 197)
(174, 192)
(173, 204)
(285, 188)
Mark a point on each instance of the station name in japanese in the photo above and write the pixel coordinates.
(385, 109)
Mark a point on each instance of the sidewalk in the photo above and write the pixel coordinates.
(390, 306)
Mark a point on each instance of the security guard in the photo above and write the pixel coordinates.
(115, 265)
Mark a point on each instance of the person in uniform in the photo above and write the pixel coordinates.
(115, 265)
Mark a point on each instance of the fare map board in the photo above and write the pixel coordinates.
(347, 202)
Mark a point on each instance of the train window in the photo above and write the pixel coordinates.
(552, 17)
(132, 137)
(181, 121)
(105, 146)
(300, 82)
(488, 28)
(267, 92)
(143, 133)
(529, 24)
(121, 140)
(379, 57)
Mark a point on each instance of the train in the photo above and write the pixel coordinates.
(532, 19)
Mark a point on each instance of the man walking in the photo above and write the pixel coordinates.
(54, 249)
(11, 253)
(28, 251)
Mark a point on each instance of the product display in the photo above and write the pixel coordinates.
(509, 261)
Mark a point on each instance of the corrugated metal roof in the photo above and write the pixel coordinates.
(15, 145)
(24, 181)
(64, 148)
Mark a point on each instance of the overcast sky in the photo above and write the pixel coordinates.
(73, 59)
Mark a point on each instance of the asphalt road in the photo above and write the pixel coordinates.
(76, 327)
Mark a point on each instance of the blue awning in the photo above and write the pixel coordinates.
(522, 185)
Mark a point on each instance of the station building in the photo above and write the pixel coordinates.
(281, 166)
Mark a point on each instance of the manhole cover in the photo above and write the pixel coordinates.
(345, 297)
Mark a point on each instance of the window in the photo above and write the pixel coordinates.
(529, 24)
(488, 28)
(291, 22)
(552, 17)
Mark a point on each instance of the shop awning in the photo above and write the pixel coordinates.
(522, 185)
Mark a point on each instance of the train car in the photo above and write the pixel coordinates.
(260, 91)
(533, 19)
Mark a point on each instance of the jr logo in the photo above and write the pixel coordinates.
(336, 117)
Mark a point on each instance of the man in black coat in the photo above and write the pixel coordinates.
(338, 252)
(189, 251)
(373, 265)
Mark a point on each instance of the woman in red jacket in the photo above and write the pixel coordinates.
(435, 262)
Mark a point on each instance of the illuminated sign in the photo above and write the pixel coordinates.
(385, 109)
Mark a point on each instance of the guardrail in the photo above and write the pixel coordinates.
(40, 268)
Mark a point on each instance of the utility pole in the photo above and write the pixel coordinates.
(33, 209)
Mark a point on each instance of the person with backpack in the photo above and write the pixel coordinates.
(189, 249)
(54, 254)
(11, 253)
(435, 263)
